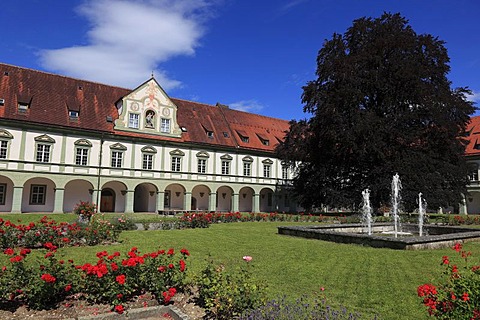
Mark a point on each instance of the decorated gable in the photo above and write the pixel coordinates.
(148, 109)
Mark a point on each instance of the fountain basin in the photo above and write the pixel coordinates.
(437, 236)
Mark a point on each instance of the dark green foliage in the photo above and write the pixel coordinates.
(381, 104)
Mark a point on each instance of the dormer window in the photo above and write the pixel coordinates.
(23, 107)
(264, 139)
(208, 130)
(73, 114)
(243, 136)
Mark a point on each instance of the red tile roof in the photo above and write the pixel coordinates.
(51, 97)
(473, 131)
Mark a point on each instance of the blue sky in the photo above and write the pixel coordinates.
(250, 55)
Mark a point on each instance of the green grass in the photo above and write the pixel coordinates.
(371, 281)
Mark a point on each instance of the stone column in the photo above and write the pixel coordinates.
(129, 201)
(235, 202)
(256, 202)
(17, 199)
(160, 201)
(212, 203)
(58, 205)
(96, 198)
(187, 201)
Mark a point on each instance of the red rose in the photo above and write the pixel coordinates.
(48, 278)
(120, 279)
(119, 309)
(182, 265)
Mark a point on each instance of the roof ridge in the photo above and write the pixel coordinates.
(64, 76)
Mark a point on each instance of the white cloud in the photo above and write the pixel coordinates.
(128, 39)
(291, 4)
(247, 105)
(474, 97)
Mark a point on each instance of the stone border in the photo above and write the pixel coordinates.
(437, 236)
(140, 313)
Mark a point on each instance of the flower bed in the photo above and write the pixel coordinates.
(35, 234)
(204, 219)
(43, 282)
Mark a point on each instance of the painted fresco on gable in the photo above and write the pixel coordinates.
(144, 108)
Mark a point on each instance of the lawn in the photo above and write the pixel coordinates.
(371, 281)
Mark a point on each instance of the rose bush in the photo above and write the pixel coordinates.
(114, 279)
(85, 210)
(34, 234)
(458, 296)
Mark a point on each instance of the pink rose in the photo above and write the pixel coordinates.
(247, 258)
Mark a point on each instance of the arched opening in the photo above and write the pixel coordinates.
(6, 194)
(145, 198)
(266, 200)
(174, 197)
(76, 191)
(224, 199)
(201, 194)
(38, 195)
(245, 199)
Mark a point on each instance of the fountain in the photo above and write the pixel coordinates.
(422, 207)
(396, 187)
(367, 211)
(378, 233)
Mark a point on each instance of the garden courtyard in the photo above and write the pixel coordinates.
(375, 283)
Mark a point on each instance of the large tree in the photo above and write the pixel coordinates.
(381, 105)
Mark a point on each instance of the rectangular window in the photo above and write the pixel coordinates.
(3, 192)
(202, 165)
(37, 194)
(134, 120)
(225, 167)
(147, 161)
(176, 164)
(3, 149)
(81, 158)
(247, 169)
(165, 126)
(117, 159)
(43, 152)
(266, 170)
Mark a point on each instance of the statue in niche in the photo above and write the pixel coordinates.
(149, 119)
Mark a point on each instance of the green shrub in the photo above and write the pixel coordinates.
(226, 294)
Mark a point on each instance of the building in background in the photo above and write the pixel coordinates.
(65, 140)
